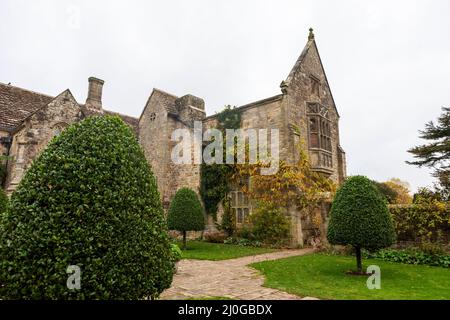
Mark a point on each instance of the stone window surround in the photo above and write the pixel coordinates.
(319, 113)
(240, 205)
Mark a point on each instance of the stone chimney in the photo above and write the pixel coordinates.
(190, 108)
(189, 100)
(94, 98)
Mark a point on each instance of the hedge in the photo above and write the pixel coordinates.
(411, 256)
(424, 222)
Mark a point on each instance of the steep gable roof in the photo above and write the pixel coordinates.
(299, 61)
(166, 99)
(311, 43)
(17, 104)
(66, 93)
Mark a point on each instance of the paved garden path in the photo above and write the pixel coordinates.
(227, 278)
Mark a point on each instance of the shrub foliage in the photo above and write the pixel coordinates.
(360, 217)
(186, 213)
(422, 222)
(215, 178)
(90, 199)
(411, 256)
(269, 225)
(4, 201)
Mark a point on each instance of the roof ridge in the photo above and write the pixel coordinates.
(151, 95)
(28, 90)
(165, 92)
(121, 114)
(299, 61)
(252, 104)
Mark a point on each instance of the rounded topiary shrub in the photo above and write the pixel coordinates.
(360, 217)
(89, 200)
(185, 213)
(3, 201)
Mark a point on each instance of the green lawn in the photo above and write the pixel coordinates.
(323, 276)
(218, 251)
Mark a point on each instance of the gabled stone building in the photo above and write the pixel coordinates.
(28, 120)
(305, 101)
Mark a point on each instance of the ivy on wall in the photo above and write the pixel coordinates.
(229, 118)
(214, 183)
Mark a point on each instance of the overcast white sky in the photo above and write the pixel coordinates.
(388, 62)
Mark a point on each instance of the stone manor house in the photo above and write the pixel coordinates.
(28, 120)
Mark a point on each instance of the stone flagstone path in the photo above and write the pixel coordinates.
(227, 278)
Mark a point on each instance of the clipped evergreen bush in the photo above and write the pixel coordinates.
(90, 200)
(360, 217)
(185, 213)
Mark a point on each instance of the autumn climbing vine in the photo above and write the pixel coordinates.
(294, 185)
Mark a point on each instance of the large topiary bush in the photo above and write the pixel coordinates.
(185, 213)
(360, 217)
(90, 200)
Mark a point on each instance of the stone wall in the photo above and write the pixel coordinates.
(163, 114)
(154, 137)
(264, 114)
(183, 175)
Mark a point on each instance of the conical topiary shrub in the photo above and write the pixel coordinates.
(185, 213)
(360, 217)
(89, 200)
